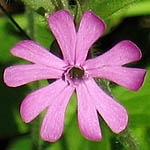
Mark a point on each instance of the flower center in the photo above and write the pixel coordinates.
(76, 73)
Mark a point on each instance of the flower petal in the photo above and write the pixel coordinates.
(35, 53)
(62, 26)
(21, 74)
(111, 111)
(131, 78)
(90, 29)
(38, 100)
(53, 123)
(122, 53)
(87, 115)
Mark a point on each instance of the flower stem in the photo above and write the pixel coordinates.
(37, 142)
(127, 140)
(30, 23)
(14, 22)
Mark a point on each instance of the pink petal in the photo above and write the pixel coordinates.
(87, 115)
(53, 123)
(33, 52)
(122, 53)
(112, 112)
(90, 29)
(62, 26)
(131, 78)
(21, 74)
(38, 100)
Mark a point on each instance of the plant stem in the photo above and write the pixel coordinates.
(127, 140)
(35, 136)
(30, 23)
(14, 22)
(37, 142)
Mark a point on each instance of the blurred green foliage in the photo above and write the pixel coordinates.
(13, 129)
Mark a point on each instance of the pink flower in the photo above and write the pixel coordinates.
(75, 73)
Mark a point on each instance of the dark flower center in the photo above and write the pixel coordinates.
(76, 73)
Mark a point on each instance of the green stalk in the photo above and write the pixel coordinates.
(37, 142)
(30, 23)
(14, 22)
(78, 14)
(127, 140)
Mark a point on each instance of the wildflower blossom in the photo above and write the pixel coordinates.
(75, 73)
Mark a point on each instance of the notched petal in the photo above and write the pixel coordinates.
(35, 53)
(87, 114)
(130, 78)
(18, 75)
(53, 122)
(122, 53)
(111, 111)
(90, 29)
(62, 26)
(40, 99)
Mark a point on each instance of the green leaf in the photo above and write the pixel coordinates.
(43, 33)
(107, 8)
(46, 6)
(138, 9)
(112, 11)
(60, 4)
(40, 6)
